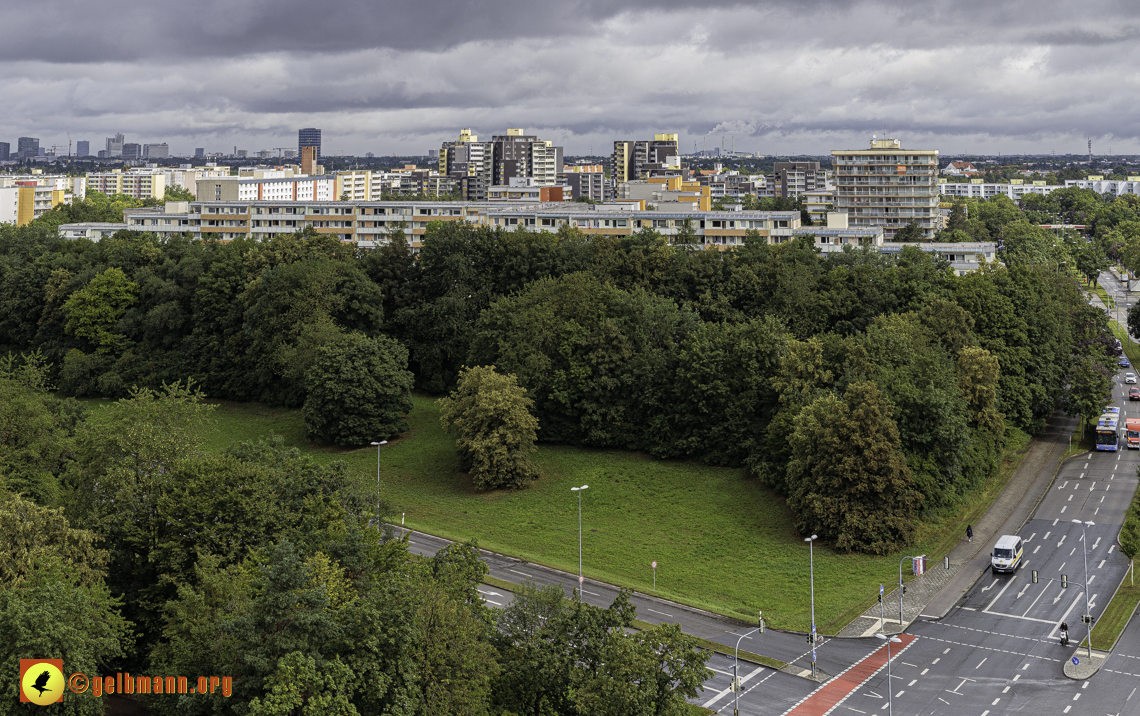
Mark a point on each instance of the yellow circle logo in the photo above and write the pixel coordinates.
(43, 683)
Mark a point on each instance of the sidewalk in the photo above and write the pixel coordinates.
(933, 594)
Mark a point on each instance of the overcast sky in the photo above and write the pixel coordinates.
(400, 76)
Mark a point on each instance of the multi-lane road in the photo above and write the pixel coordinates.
(996, 652)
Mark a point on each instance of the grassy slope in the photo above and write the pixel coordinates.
(722, 541)
(1116, 616)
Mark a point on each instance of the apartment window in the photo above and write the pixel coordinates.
(217, 193)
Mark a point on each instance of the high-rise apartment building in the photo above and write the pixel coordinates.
(630, 159)
(115, 145)
(27, 147)
(5, 151)
(309, 137)
(468, 161)
(131, 150)
(519, 155)
(199, 151)
(790, 179)
(156, 151)
(888, 186)
(83, 148)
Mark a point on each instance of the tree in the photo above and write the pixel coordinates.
(911, 232)
(958, 220)
(53, 600)
(177, 193)
(358, 390)
(849, 480)
(1134, 320)
(491, 414)
(92, 311)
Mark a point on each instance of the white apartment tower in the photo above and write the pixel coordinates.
(888, 186)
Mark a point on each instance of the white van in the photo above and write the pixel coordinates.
(1006, 556)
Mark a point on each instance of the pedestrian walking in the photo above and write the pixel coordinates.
(969, 533)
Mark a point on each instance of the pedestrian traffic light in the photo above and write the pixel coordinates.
(904, 590)
(1064, 581)
(1035, 576)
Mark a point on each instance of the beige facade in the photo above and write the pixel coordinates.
(888, 186)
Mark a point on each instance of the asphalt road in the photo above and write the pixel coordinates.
(997, 651)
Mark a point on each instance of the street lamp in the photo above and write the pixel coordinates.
(579, 491)
(382, 442)
(1085, 553)
(736, 663)
(811, 563)
(890, 697)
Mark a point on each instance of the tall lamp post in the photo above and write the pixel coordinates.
(579, 491)
(377, 445)
(890, 691)
(811, 564)
(736, 663)
(1085, 553)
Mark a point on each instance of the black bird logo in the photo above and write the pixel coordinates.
(41, 682)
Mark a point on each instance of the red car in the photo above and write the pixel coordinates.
(1134, 393)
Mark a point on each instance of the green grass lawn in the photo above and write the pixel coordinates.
(1115, 617)
(722, 541)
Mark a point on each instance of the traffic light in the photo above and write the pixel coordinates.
(1035, 576)
(760, 622)
(880, 599)
(1064, 581)
(904, 590)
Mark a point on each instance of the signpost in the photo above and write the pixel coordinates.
(655, 576)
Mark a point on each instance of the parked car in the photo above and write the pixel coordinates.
(1129, 377)
(1134, 393)
(1123, 363)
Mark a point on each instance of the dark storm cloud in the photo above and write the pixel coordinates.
(400, 76)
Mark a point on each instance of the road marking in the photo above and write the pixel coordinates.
(1097, 542)
(518, 572)
(1093, 486)
(1016, 676)
(1022, 591)
(1069, 500)
(856, 710)
(912, 683)
(1055, 523)
(593, 594)
(1049, 533)
(980, 663)
(496, 594)
(1065, 507)
(900, 694)
(1092, 578)
(906, 664)
(1065, 616)
(1112, 547)
(1007, 586)
(1065, 484)
(743, 679)
(943, 700)
(1062, 540)
(1073, 551)
(1096, 511)
(1076, 696)
(995, 703)
(986, 589)
(924, 672)
(1005, 690)
(1031, 537)
(1102, 499)
(1035, 600)
(497, 604)
(661, 613)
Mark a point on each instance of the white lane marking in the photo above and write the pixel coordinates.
(1064, 508)
(657, 612)
(1111, 548)
(1036, 548)
(1019, 594)
(1016, 677)
(1048, 533)
(518, 572)
(1072, 552)
(1054, 524)
(594, 594)
(1096, 543)
(924, 672)
(490, 594)
(980, 663)
(1031, 537)
(1035, 600)
(724, 693)
(1070, 499)
(912, 683)
(1066, 482)
(986, 589)
(1007, 586)
(497, 604)
(1096, 511)
(1065, 616)
(1062, 540)
(1092, 578)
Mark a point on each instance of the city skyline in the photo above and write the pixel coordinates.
(771, 77)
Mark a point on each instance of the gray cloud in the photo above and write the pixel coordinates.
(400, 76)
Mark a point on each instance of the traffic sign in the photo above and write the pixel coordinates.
(880, 590)
(581, 579)
(655, 564)
(1076, 661)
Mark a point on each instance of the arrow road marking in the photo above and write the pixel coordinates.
(1022, 591)
(986, 589)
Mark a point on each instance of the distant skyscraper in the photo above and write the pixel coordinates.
(156, 151)
(115, 145)
(200, 152)
(83, 148)
(309, 137)
(27, 147)
(131, 150)
(5, 150)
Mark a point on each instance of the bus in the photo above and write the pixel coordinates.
(1107, 433)
(1132, 433)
